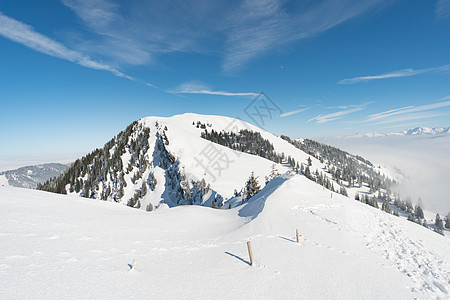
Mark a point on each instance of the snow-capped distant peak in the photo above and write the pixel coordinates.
(426, 130)
(412, 131)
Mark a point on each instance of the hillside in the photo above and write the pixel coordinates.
(196, 159)
(30, 176)
(70, 247)
(222, 162)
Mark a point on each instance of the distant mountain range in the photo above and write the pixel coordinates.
(413, 131)
(30, 176)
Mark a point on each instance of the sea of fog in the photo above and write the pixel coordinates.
(423, 160)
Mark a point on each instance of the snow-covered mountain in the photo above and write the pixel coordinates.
(206, 160)
(412, 131)
(30, 176)
(353, 231)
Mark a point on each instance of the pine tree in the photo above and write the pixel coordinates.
(409, 206)
(447, 221)
(386, 207)
(274, 172)
(309, 161)
(418, 212)
(411, 218)
(251, 187)
(439, 223)
(143, 189)
(86, 189)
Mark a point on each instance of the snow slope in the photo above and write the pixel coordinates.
(56, 246)
(187, 145)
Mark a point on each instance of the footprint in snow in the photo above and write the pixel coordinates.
(71, 260)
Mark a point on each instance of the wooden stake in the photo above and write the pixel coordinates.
(250, 252)
(331, 195)
(296, 232)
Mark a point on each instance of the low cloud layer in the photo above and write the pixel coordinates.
(422, 159)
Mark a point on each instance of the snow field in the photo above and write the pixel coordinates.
(56, 246)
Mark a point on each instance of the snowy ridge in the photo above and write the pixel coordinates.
(360, 252)
(30, 176)
(168, 157)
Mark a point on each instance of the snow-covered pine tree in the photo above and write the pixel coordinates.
(251, 187)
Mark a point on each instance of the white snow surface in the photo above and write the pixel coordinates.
(57, 246)
(187, 146)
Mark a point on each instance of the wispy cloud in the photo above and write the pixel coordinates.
(290, 113)
(395, 74)
(350, 105)
(196, 88)
(325, 118)
(256, 27)
(408, 113)
(443, 9)
(237, 31)
(27, 36)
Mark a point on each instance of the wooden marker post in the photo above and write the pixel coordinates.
(250, 252)
(296, 233)
(331, 195)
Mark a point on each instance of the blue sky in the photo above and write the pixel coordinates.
(73, 73)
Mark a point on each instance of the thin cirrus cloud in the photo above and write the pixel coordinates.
(256, 27)
(135, 32)
(24, 34)
(196, 88)
(325, 118)
(409, 113)
(395, 74)
(290, 113)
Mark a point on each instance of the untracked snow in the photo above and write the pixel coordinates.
(56, 246)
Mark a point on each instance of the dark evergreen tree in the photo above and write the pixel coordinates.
(418, 212)
(447, 221)
(251, 187)
(143, 189)
(438, 223)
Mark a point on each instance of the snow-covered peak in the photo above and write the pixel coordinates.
(426, 130)
(406, 132)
